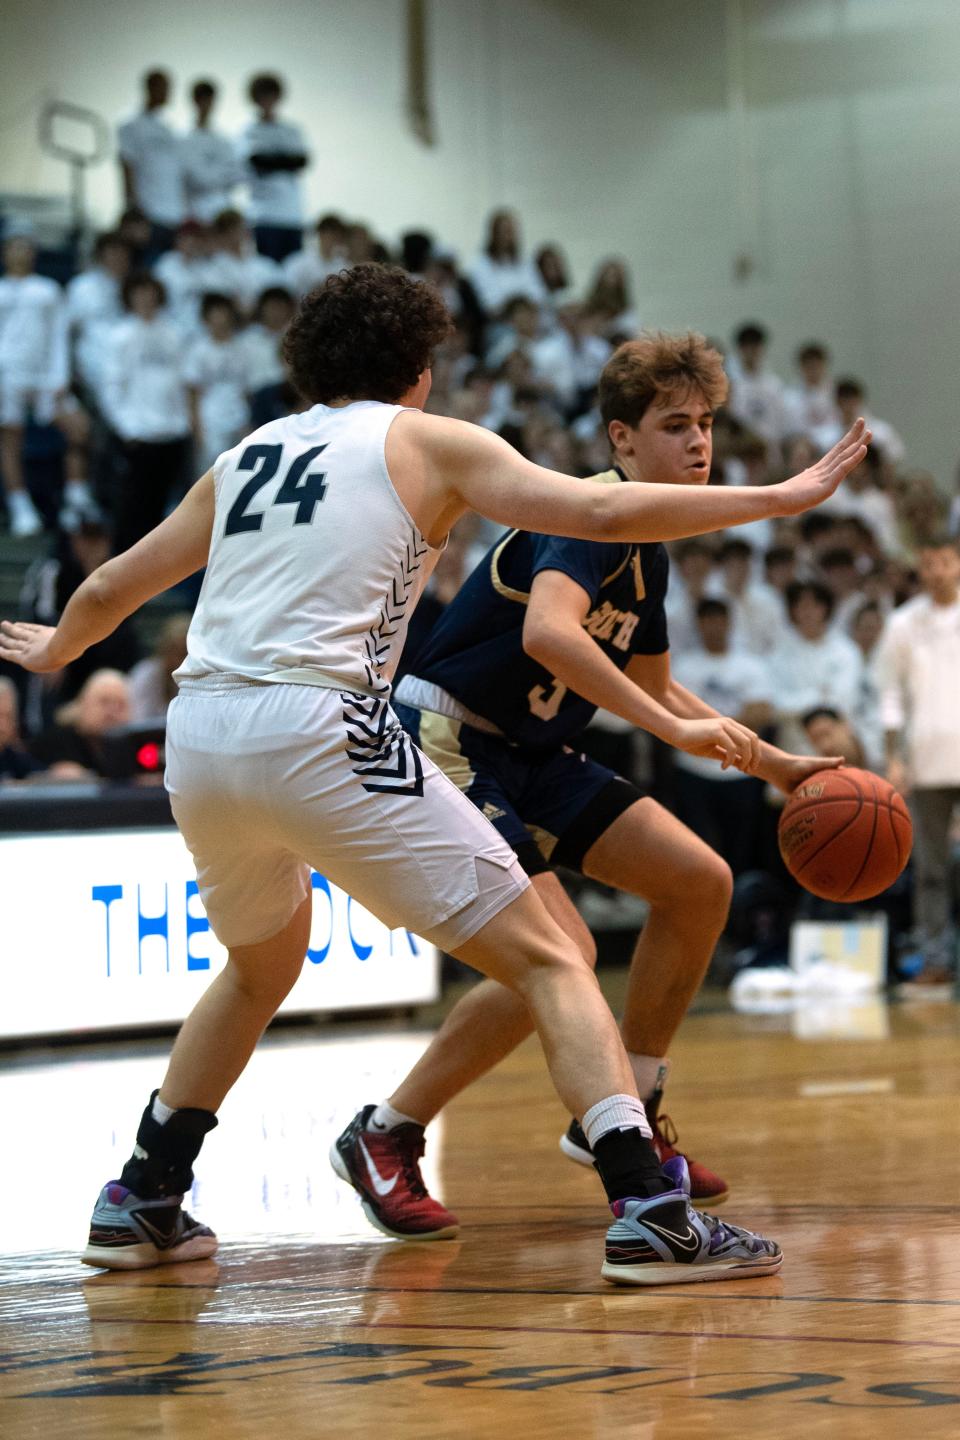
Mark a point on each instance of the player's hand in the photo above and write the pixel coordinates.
(720, 739)
(28, 645)
(810, 487)
(788, 773)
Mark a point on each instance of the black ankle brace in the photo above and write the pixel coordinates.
(162, 1160)
(628, 1165)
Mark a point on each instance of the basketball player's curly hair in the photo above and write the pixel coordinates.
(657, 365)
(364, 334)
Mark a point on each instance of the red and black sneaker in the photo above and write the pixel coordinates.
(706, 1188)
(385, 1172)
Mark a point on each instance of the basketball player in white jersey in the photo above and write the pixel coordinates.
(318, 532)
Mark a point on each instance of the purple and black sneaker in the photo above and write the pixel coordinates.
(665, 1241)
(129, 1233)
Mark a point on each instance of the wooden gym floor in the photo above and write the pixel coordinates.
(838, 1132)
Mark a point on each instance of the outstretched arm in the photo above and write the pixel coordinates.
(175, 549)
(449, 466)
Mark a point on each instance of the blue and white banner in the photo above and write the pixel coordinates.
(105, 930)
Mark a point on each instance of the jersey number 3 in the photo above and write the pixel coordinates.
(299, 488)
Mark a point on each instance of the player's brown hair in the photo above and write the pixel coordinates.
(364, 334)
(658, 365)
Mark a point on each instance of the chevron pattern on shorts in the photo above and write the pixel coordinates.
(384, 756)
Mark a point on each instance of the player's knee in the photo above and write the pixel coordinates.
(715, 885)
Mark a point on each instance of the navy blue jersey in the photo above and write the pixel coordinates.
(475, 650)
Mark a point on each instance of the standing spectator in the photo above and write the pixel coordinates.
(94, 303)
(217, 371)
(813, 665)
(920, 666)
(235, 268)
(274, 153)
(16, 763)
(34, 376)
(210, 165)
(851, 397)
(723, 807)
(756, 394)
(306, 269)
(262, 340)
(186, 274)
(151, 158)
(500, 272)
(921, 513)
(756, 614)
(554, 272)
(145, 403)
(609, 298)
(812, 403)
(865, 632)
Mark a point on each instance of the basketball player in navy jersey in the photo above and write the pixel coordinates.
(317, 533)
(545, 630)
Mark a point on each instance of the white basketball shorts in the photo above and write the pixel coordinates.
(268, 780)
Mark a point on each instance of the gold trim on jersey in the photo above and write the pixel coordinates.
(605, 477)
(440, 742)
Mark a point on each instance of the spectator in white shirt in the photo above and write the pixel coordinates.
(838, 568)
(210, 165)
(519, 330)
(756, 613)
(500, 272)
(779, 571)
(756, 394)
(217, 371)
(812, 664)
(865, 632)
(263, 339)
(862, 496)
(306, 269)
(145, 403)
(723, 807)
(609, 297)
(812, 403)
(235, 267)
(920, 670)
(275, 154)
(94, 303)
(151, 159)
(186, 273)
(552, 265)
(571, 357)
(851, 397)
(690, 575)
(34, 380)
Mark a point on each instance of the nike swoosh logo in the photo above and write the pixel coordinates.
(681, 1241)
(381, 1186)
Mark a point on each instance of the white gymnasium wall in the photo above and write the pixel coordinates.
(786, 160)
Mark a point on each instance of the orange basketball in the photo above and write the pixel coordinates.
(845, 834)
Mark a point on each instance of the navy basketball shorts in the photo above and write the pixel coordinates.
(550, 806)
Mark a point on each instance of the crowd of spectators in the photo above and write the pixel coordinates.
(166, 349)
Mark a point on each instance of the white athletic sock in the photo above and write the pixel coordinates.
(160, 1112)
(386, 1118)
(617, 1112)
(649, 1071)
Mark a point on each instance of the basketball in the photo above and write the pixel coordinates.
(845, 834)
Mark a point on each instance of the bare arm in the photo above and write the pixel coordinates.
(777, 767)
(553, 634)
(175, 549)
(443, 467)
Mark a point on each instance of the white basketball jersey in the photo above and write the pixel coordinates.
(315, 565)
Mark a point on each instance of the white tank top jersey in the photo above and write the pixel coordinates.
(315, 566)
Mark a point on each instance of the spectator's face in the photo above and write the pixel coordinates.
(781, 574)
(19, 255)
(714, 633)
(751, 354)
(504, 232)
(8, 719)
(850, 407)
(809, 616)
(866, 630)
(276, 314)
(736, 570)
(940, 573)
(220, 322)
(204, 102)
(829, 737)
(145, 302)
(330, 239)
(842, 579)
(813, 368)
(115, 259)
(103, 704)
(673, 444)
(158, 89)
(190, 242)
(525, 320)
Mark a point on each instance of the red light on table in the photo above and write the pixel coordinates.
(148, 756)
